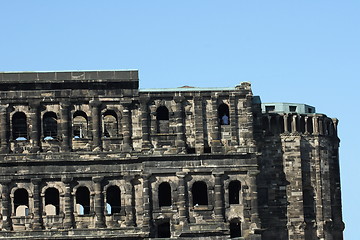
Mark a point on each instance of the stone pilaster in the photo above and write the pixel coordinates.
(69, 205)
(218, 200)
(99, 202)
(216, 145)
(37, 221)
(182, 206)
(233, 112)
(35, 127)
(146, 204)
(4, 144)
(316, 125)
(127, 123)
(95, 117)
(146, 144)
(286, 127)
(129, 220)
(199, 126)
(65, 131)
(180, 130)
(5, 206)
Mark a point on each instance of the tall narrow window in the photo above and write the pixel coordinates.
(83, 200)
(21, 202)
(113, 199)
(164, 230)
(199, 193)
(50, 125)
(19, 126)
(110, 124)
(235, 228)
(52, 201)
(234, 192)
(223, 114)
(80, 125)
(162, 119)
(164, 194)
(310, 124)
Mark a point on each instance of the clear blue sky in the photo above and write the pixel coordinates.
(292, 51)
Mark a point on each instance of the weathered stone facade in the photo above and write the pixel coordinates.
(89, 155)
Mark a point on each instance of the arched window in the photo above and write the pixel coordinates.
(164, 194)
(21, 202)
(199, 193)
(19, 126)
(113, 199)
(234, 192)
(80, 125)
(50, 125)
(235, 228)
(223, 114)
(110, 124)
(52, 201)
(162, 119)
(83, 200)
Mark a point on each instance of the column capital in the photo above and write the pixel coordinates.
(218, 174)
(95, 103)
(34, 104)
(97, 179)
(65, 104)
(66, 179)
(181, 174)
(36, 181)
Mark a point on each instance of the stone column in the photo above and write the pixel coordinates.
(182, 206)
(129, 220)
(37, 221)
(218, 204)
(199, 126)
(34, 128)
(6, 206)
(180, 131)
(315, 125)
(293, 123)
(306, 125)
(321, 125)
(335, 122)
(96, 132)
(99, 202)
(126, 123)
(216, 146)
(4, 144)
(147, 204)
(286, 128)
(146, 145)
(69, 205)
(65, 131)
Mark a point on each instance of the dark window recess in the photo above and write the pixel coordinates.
(80, 125)
(223, 114)
(292, 108)
(21, 197)
(83, 198)
(113, 199)
(234, 192)
(199, 193)
(207, 149)
(110, 124)
(50, 125)
(269, 108)
(164, 230)
(310, 110)
(162, 119)
(235, 229)
(164, 194)
(19, 126)
(190, 150)
(52, 197)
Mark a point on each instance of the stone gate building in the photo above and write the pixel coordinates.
(89, 155)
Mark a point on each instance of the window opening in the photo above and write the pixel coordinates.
(223, 114)
(80, 125)
(235, 229)
(164, 230)
(110, 124)
(50, 125)
(83, 200)
(52, 199)
(310, 125)
(302, 124)
(269, 108)
(19, 126)
(113, 199)
(162, 119)
(164, 194)
(234, 192)
(21, 202)
(292, 108)
(199, 193)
